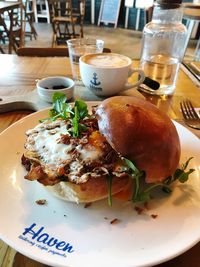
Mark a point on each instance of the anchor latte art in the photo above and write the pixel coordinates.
(106, 74)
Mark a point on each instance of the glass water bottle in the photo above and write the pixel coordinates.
(163, 45)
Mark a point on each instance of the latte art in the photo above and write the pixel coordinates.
(107, 60)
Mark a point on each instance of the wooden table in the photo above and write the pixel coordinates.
(18, 75)
(10, 7)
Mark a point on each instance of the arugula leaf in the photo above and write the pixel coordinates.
(109, 181)
(75, 120)
(82, 127)
(166, 189)
(185, 165)
(142, 196)
(82, 108)
(58, 100)
(136, 174)
(131, 165)
(80, 111)
(185, 175)
(60, 109)
(65, 111)
(180, 174)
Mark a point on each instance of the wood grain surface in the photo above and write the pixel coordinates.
(17, 77)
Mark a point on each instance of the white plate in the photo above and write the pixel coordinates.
(85, 236)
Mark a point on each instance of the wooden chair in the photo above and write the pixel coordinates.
(64, 16)
(29, 19)
(11, 20)
(78, 12)
(47, 51)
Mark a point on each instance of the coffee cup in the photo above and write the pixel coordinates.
(106, 74)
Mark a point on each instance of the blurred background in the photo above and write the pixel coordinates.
(118, 22)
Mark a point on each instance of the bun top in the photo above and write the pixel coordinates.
(142, 133)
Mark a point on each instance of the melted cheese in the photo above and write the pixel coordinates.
(89, 153)
(45, 142)
(48, 148)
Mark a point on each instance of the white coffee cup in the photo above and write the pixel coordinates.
(107, 74)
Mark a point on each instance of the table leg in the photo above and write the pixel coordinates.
(35, 10)
(10, 45)
(23, 25)
(3, 24)
(92, 11)
(197, 51)
(137, 19)
(126, 17)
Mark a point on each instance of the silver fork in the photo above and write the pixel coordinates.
(190, 116)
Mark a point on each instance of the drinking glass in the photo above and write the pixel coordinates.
(81, 46)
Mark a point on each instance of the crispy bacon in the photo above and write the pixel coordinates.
(91, 123)
(65, 139)
(26, 162)
(35, 173)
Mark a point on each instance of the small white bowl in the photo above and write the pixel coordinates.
(45, 87)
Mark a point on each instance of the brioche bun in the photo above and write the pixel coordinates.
(93, 190)
(142, 133)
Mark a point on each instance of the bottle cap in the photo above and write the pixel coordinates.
(169, 4)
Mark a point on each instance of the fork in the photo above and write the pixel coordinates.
(190, 116)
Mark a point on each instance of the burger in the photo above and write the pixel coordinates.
(84, 156)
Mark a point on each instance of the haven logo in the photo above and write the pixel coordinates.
(37, 236)
(95, 84)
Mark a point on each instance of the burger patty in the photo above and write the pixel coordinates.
(53, 155)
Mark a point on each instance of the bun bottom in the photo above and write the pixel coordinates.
(93, 190)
